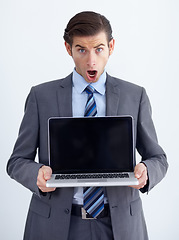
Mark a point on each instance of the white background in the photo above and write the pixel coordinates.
(146, 53)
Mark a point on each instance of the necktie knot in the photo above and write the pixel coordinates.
(90, 89)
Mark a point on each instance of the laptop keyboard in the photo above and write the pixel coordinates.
(88, 176)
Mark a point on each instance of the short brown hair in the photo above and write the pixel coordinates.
(87, 24)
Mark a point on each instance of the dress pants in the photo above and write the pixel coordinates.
(95, 229)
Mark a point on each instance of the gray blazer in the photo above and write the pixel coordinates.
(49, 214)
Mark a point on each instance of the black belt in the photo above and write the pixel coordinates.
(77, 211)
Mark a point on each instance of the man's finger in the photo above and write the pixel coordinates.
(139, 169)
(44, 174)
(47, 171)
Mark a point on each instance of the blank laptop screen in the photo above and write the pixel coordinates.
(91, 144)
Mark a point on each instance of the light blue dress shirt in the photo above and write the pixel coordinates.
(79, 96)
(79, 99)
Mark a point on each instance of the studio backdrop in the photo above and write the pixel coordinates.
(146, 53)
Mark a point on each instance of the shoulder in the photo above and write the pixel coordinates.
(47, 91)
(122, 83)
(52, 85)
(123, 86)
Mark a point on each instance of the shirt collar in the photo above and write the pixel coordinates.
(80, 83)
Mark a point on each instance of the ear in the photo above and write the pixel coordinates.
(68, 48)
(111, 46)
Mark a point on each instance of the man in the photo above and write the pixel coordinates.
(53, 213)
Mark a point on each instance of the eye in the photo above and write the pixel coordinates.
(98, 50)
(82, 50)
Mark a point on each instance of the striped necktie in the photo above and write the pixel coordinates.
(90, 109)
(93, 197)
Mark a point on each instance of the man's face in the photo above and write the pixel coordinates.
(90, 55)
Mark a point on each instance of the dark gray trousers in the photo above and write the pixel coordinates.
(97, 229)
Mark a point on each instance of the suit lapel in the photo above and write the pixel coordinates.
(112, 96)
(64, 95)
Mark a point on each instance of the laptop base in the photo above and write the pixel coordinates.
(92, 182)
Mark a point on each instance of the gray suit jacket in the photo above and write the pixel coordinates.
(49, 214)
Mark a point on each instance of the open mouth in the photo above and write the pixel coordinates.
(91, 75)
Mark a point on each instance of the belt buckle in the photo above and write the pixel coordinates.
(84, 214)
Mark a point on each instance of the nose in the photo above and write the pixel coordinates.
(91, 62)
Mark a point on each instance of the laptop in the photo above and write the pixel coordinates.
(91, 151)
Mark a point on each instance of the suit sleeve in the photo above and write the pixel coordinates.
(21, 165)
(152, 154)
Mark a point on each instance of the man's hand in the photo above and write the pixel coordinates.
(44, 174)
(140, 172)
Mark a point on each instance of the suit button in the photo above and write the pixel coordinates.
(67, 211)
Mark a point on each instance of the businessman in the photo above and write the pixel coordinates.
(56, 213)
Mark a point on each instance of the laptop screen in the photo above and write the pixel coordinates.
(91, 144)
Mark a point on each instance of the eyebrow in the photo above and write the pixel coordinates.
(101, 44)
(79, 46)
